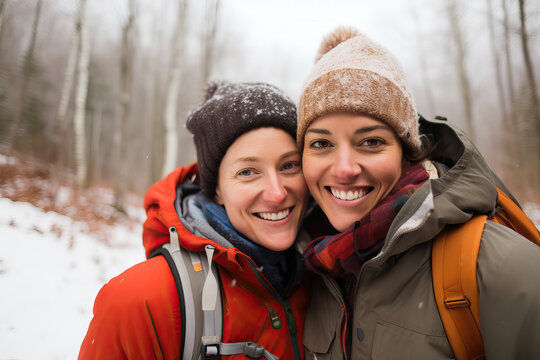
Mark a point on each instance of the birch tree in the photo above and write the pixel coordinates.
(531, 110)
(155, 125)
(80, 100)
(524, 35)
(2, 4)
(209, 36)
(422, 58)
(461, 60)
(496, 58)
(508, 59)
(126, 79)
(28, 70)
(60, 136)
(173, 91)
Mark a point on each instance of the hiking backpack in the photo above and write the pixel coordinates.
(197, 283)
(454, 261)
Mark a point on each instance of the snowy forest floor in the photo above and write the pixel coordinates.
(56, 255)
(54, 258)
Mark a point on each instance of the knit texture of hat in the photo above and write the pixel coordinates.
(354, 74)
(229, 111)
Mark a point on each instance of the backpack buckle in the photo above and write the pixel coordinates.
(456, 302)
(210, 351)
(253, 350)
(210, 347)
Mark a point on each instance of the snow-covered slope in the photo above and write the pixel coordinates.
(51, 269)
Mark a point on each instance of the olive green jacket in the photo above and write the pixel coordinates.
(395, 315)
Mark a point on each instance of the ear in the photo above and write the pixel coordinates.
(217, 197)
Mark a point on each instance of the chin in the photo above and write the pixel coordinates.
(279, 244)
(341, 225)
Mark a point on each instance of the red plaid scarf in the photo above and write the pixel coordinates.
(344, 254)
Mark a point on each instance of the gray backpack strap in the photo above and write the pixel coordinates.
(202, 301)
(248, 348)
(211, 307)
(192, 278)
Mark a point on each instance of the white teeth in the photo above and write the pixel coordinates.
(349, 195)
(275, 215)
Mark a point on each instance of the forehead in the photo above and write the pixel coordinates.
(265, 143)
(347, 122)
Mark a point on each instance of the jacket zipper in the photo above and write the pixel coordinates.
(334, 288)
(379, 259)
(291, 324)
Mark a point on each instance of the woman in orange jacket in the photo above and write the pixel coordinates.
(246, 198)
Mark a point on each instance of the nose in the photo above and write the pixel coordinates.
(345, 167)
(274, 191)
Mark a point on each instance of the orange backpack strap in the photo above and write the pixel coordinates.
(454, 259)
(514, 218)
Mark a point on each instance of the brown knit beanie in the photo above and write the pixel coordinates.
(354, 74)
(230, 110)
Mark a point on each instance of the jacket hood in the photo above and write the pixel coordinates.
(163, 203)
(465, 187)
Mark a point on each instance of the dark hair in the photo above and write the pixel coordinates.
(420, 154)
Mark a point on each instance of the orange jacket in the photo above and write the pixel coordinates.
(137, 314)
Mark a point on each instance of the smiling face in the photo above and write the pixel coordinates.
(350, 162)
(260, 183)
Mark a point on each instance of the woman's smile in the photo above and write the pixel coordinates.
(350, 162)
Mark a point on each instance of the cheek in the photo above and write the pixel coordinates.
(311, 170)
(388, 172)
(298, 187)
(234, 199)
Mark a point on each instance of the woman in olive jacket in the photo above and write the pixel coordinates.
(364, 153)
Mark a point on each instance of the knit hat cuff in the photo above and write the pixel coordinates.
(363, 92)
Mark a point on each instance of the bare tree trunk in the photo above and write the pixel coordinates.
(69, 77)
(508, 58)
(27, 72)
(529, 66)
(532, 110)
(2, 5)
(209, 37)
(173, 90)
(155, 125)
(126, 79)
(461, 59)
(60, 128)
(496, 60)
(80, 103)
(422, 58)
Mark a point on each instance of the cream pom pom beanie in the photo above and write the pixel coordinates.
(354, 74)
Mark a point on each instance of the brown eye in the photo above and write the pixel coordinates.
(372, 142)
(319, 144)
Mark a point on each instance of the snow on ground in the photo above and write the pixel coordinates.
(51, 269)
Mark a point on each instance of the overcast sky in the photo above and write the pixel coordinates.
(276, 41)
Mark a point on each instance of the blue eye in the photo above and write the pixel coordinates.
(245, 173)
(291, 166)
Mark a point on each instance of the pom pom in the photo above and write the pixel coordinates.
(335, 38)
(211, 89)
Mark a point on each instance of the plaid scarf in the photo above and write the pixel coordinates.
(343, 255)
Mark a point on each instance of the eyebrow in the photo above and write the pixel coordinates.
(358, 131)
(254, 159)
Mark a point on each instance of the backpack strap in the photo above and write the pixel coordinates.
(514, 218)
(200, 304)
(191, 279)
(454, 257)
